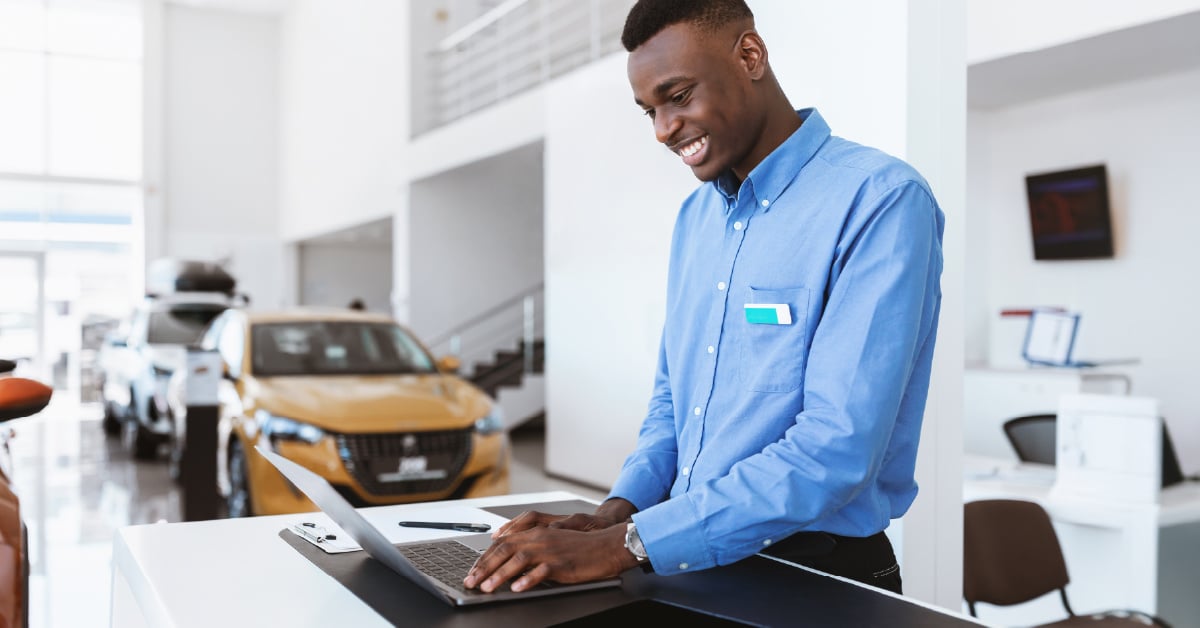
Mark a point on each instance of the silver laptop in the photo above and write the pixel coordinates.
(436, 566)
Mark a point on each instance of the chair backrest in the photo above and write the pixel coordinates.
(1033, 437)
(20, 397)
(1010, 553)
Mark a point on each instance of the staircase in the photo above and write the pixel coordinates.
(508, 368)
(492, 347)
(515, 380)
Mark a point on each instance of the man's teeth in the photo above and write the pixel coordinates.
(694, 147)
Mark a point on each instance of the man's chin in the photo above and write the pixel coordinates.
(706, 172)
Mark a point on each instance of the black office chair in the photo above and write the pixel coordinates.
(1035, 439)
(1011, 555)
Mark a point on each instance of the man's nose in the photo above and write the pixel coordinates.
(665, 127)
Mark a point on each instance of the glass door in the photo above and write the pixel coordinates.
(22, 312)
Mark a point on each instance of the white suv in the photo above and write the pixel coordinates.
(137, 361)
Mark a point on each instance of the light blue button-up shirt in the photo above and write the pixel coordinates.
(758, 431)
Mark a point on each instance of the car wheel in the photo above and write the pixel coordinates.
(139, 441)
(238, 502)
(112, 421)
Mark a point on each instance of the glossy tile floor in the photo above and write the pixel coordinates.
(77, 487)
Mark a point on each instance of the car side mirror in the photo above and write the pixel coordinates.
(449, 364)
(20, 397)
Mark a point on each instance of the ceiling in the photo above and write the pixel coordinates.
(1161, 47)
(378, 232)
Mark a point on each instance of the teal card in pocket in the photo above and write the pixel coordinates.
(768, 314)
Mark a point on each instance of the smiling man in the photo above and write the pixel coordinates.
(802, 306)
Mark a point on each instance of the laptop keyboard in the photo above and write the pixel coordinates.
(446, 562)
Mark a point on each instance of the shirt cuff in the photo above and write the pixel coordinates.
(674, 537)
(634, 492)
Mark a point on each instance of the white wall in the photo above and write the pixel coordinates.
(333, 274)
(344, 114)
(220, 141)
(475, 240)
(611, 201)
(1000, 28)
(1141, 303)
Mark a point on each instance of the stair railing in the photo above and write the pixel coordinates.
(517, 319)
(511, 47)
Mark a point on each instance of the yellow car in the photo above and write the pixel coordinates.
(357, 399)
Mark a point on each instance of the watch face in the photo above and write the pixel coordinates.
(633, 542)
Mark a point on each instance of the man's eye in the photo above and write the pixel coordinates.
(648, 113)
(681, 96)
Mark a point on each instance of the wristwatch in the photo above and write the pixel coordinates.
(633, 543)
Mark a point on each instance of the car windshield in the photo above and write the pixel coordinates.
(336, 348)
(180, 325)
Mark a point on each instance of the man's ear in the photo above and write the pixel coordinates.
(752, 54)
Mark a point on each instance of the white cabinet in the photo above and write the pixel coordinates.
(992, 396)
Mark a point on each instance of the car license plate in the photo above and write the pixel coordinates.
(407, 469)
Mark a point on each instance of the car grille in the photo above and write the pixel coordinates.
(374, 459)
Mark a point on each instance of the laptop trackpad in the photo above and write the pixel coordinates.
(650, 612)
(477, 542)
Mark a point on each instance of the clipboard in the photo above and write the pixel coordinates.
(328, 541)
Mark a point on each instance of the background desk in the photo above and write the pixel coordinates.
(1118, 556)
(992, 396)
(240, 572)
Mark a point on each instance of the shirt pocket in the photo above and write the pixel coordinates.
(772, 357)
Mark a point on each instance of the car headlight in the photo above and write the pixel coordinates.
(277, 428)
(491, 422)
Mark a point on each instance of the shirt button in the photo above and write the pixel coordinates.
(737, 226)
(696, 411)
(683, 566)
(720, 285)
(687, 470)
(765, 202)
(711, 348)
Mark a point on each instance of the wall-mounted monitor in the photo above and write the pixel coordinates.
(1069, 214)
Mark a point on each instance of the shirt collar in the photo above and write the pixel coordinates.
(774, 173)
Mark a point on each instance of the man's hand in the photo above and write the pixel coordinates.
(541, 553)
(610, 513)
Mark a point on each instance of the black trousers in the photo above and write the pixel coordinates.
(868, 560)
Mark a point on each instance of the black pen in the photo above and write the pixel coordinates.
(442, 525)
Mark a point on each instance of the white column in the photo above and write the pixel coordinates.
(936, 145)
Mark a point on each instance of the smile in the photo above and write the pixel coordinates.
(693, 148)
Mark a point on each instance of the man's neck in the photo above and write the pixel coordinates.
(781, 124)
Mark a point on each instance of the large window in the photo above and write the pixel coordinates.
(71, 163)
(70, 96)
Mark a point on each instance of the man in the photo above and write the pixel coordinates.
(802, 305)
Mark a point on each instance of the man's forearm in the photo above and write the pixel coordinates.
(615, 510)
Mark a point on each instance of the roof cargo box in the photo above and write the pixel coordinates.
(168, 276)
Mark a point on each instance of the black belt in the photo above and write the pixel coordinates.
(813, 544)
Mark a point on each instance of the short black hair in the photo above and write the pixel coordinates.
(648, 17)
